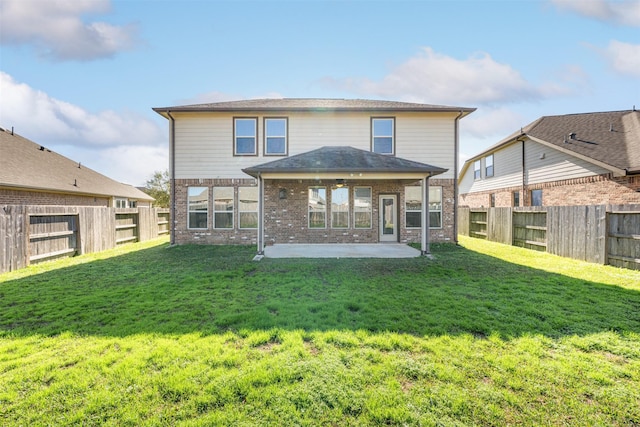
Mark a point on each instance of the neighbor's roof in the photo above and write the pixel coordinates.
(343, 159)
(314, 104)
(27, 165)
(609, 138)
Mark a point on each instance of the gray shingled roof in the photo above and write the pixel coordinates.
(612, 138)
(27, 165)
(314, 104)
(343, 159)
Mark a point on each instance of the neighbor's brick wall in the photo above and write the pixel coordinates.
(17, 197)
(593, 190)
(286, 220)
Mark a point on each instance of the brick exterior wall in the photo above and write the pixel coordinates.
(286, 220)
(18, 197)
(593, 190)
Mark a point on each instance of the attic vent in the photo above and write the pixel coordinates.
(610, 127)
(572, 135)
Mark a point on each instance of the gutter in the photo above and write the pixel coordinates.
(172, 176)
(455, 177)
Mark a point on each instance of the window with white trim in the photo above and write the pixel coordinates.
(121, 203)
(477, 174)
(222, 207)
(340, 207)
(488, 166)
(248, 207)
(317, 207)
(245, 131)
(275, 136)
(413, 207)
(362, 207)
(382, 135)
(197, 207)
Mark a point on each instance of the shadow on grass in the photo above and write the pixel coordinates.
(213, 289)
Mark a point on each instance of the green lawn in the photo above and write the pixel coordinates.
(484, 334)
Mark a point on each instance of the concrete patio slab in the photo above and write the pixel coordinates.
(352, 250)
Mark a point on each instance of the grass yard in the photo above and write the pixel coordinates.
(484, 334)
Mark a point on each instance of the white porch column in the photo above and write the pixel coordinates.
(260, 215)
(425, 216)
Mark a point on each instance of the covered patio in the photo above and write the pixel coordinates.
(341, 250)
(294, 195)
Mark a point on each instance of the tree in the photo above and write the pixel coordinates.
(159, 188)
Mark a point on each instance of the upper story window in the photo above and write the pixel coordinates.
(121, 203)
(245, 131)
(275, 136)
(383, 135)
(488, 166)
(477, 174)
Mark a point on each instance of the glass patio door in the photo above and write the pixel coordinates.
(388, 223)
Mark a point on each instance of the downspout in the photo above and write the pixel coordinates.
(455, 178)
(260, 237)
(172, 175)
(426, 250)
(524, 173)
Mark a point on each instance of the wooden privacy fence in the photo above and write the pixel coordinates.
(29, 234)
(603, 234)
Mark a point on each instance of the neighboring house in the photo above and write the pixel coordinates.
(276, 171)
(573, 159)
(31, 174)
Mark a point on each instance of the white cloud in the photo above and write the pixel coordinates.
(435, 78)
(57, 31)
(625, 12)
(624, 58)
(121, 145)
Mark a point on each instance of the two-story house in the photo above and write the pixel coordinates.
(273, 171)
(573, 159)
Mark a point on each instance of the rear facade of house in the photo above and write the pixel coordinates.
(567, 160)
(278, 171)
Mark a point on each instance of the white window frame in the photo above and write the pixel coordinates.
(196, 211)
(340, 211)
(245, 211)
(267, 136)
(488, 166)
(407, 210)
(215, 211)
(120, 203)
(360, 209)
(309, 211)
(236, 136)
(432, 201)
(392, 135)
(477, 170)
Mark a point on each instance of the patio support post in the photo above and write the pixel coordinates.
(425, 216)
(260, 215)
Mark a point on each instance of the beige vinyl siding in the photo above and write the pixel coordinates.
(507, 165)
(427, 139)
(204, 141)
(555, 165)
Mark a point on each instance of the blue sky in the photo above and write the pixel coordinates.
(81, 76)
